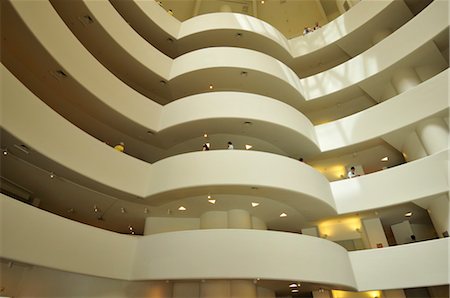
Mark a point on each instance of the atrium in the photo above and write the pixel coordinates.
(224, 148)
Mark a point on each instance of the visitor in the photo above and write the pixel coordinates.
(205, 147)
(120, 147)
(352, 173)
(230, 146)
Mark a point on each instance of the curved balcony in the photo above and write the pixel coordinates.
(97, 166)
(35, 237)
(360, 23)
(356, 71)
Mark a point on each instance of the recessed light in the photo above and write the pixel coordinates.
(294, 291)
(254, 204)
(283, 214)
(96, 209)
(123, 210)
(248, 147)
(5, 152)
(262, 2)
(205, 135)
(52, 175)
(408, 214)
(130, 227)
(212, 201)
(211, 87)
(293, 285)
(182, 208)
(386, 158)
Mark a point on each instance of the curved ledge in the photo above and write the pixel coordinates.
(414, 180)
(220, 254)
(240, 170)
(229, 111)
(360, 127)
(151, 21)
(33, 236)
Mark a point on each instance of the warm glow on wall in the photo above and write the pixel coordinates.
(345, 294)
(341, 228)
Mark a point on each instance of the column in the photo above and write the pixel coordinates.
(405, 79)
(394, 294)
(434, 135)
(438, 212)
(186, 290)
(258, 224)
(239, 219)
(160, 290)
(322, 294)
(242, 288)
(215, 289)
(265, 293)
(214, 220)
(373, 233)
(412, 148)
(311, 231)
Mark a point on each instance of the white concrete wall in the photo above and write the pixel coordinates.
(392, 186)
(33, 236)
(406, 266)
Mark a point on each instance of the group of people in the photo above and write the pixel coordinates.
(206, 146)
(307, 29)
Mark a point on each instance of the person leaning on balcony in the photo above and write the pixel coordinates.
(205, 147)
(230, 146)
(120, 147)
(352, 173)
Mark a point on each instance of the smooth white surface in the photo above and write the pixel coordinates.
(33, 236)
(412, 265)
(393, 186)
(366, 125)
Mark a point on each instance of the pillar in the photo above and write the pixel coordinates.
(373, 233)
(265, 293)
(322, 294)
(438, 212)
(405, 79)
(258, 224)
(394, 293)
(380, 35)
(242, 288)
(215, 289)
(214, 220)
(160, 290)
(186, 290)
(434, 135)
(412, 148)
(311, 231)
(239, 219)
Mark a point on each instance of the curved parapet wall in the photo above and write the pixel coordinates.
(418, 179)
(33, 236)
(420, 264)
(259, 35)
(361, 127)
(239, 170)
(219, 253)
